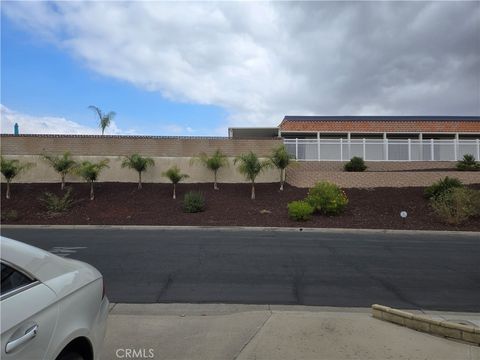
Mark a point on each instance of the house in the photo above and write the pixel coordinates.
(375, 138)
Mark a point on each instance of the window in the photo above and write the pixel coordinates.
(12, 279)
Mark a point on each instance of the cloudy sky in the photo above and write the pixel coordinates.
(197, 68)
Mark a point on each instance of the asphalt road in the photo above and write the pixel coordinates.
(434, 272)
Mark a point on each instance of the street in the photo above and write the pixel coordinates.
(421, 271)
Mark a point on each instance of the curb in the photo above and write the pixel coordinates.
(446, 329)
(244, 228)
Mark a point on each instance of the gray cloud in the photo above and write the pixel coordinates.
(262, 60)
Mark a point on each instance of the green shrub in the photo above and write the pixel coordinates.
(10, 215)
(468, 163)
(327, 198)
(58, 204)
(456, 205)
(300, 210)
(193, 202)
(355, 164)
(441, 186)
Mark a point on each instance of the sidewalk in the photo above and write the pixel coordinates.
(220, 331)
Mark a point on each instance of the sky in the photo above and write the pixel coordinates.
(197, 68)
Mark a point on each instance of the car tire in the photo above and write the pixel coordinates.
(71, 356)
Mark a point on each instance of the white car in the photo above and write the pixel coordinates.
(51, 307)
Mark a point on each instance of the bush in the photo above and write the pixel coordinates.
(10, 215)
(58, 204)
(468, 163)
(355, 164)
(193, 202)
(457, 205)
(300, 210)
(441, 186)
(327, 198)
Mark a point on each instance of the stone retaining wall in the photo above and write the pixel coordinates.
(91, 145)
(177, 150)
(42, 172)
(378, 174)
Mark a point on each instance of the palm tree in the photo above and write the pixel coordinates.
(280, 158)
(175, 177)
(250, 166)
(90, 171)
(10, 169)
(61, 164)
(214, 163)
(105, 119)
(139, 164)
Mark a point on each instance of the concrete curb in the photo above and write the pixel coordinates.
(446, 329)
(244, 228)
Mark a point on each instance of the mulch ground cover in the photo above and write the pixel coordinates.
(123, 204)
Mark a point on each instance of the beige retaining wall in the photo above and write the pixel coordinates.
(166, 151)
(42, 172)
(127, 145)
(396, 174)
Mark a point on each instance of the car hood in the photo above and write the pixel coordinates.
(60, 274)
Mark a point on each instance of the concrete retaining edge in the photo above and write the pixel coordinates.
(446, 329)
(244, 228)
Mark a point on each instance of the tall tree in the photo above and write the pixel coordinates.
(280, 158)
(139, 164)
(175, 177)
(251, 166)
(10, 169)
(90, 171)
(213, 163)
(104, 118)
(61, 164)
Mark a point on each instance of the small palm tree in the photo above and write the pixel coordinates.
(214, 163)
(139, 164)
(11, 169)
(105, 119)
(175, 177)
(61, 164)
(250, 166)
(90, 171)
(280, 158)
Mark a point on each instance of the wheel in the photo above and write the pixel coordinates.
(70, 356)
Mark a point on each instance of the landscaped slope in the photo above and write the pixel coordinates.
(122, 203)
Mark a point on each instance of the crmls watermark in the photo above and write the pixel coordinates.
(132, 353)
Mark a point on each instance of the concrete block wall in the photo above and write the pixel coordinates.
(42, 172)
(166, 152)
(378, 174)
(90, 145)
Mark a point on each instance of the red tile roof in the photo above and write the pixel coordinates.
(466, 124)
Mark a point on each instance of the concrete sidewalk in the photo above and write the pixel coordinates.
(220, 331)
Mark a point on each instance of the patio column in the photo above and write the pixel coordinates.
(349, 139)
(432, 151)
(420, 141)
(385, 146)
(478, 149)
(318, 145)
(409, 149)
(455, 146)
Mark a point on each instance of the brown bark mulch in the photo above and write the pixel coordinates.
(123, 204)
